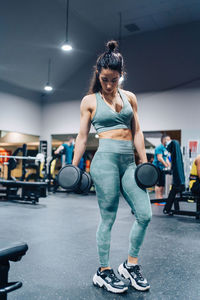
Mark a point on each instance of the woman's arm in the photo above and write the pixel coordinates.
(138, 136)
(85, 123)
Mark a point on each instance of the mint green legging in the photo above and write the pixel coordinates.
(112, 170)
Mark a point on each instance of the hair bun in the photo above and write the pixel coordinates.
(111, 46)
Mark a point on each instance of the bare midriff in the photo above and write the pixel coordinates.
(117, 134)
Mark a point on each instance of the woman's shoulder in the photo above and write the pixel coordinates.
(88, 101)
(88, 97)
(131, 97)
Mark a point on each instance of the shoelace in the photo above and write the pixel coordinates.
(113, 276)
(136, 270)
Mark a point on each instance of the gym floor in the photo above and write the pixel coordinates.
(62, 257)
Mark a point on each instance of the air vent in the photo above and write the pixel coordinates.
(132, 27)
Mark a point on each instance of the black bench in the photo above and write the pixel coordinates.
(189, 197)
(31, 191)
(177, 196)
(9, 252)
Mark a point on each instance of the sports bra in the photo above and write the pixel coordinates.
(106, 118)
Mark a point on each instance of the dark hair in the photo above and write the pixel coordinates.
(164, 136)
(110, 59)
(68, 138)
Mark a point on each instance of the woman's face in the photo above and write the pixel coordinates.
(109, 80)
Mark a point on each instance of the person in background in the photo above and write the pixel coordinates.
(194, 183)
(68, 147)
(161, 161)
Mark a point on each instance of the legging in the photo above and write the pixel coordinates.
(112, 170)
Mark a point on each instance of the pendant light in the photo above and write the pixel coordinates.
(66, 46)
(48, 87)
(120, 42)
(120, 31)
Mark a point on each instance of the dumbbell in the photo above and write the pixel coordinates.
(146, 175)
(73, 179)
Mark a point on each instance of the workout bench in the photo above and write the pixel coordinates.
(31, 191)
(9, 252)
(185, 196)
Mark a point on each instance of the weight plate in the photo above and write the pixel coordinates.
(146, 175)
(69, 177)
(85, 184)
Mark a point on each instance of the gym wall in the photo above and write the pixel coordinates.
(173, 109)
(61, 117)
(20, 111)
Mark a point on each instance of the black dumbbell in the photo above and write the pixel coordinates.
(146, 175)
(75, 180)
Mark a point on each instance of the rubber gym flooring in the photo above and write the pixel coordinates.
(62, 257)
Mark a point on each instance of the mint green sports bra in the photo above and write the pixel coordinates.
(106, 118)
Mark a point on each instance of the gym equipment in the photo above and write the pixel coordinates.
(51, 176)
(28, 191)
(9, 252)
(178, 177)
(38, 157)
(73, 179)
(186, 196)
(85, 185)
(31, 191)
(12, 163)
(146, 175)
(69, 177)
(177, 193)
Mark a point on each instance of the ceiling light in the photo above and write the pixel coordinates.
(48, 87)
(66, 46)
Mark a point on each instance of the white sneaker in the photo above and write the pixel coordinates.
(108, 280)
(133, 273)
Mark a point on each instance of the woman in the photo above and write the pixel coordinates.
(113, 113)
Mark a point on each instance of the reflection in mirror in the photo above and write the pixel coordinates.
(62, 152)
(91, 147)
(9, 143)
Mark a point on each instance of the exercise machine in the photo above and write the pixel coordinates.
(20, 189)
(178, 192)
(9, 252)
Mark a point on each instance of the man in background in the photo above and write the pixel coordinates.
(161, 161)
(68, 147)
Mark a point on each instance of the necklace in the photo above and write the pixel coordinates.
(111, 103)
(108, 100)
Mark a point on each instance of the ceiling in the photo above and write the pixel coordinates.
(31, 32)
